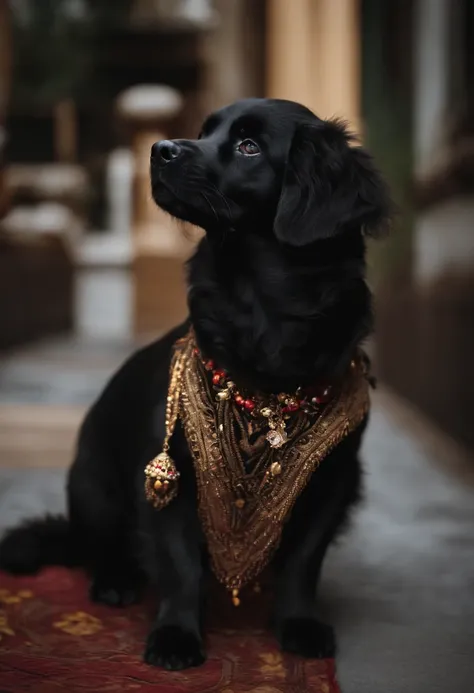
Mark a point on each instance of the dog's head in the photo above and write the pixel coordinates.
(270, 165)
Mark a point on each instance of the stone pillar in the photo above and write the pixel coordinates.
(337, 58)
(431, 79)
(230, 51)
(433, 248)
(148, 110)
(290, 71)
(313, 55)
(159, 246)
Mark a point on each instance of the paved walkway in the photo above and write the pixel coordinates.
(44, 390)
(61, 372)
(399, 587)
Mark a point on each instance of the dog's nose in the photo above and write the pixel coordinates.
(165, 151)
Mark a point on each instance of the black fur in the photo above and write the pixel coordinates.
(277, 296)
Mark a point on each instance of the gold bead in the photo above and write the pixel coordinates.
(275, 469)
(157, 485)
(235, 592)
(223, 395)
(266, 411)
(235, 601)
(240, 503)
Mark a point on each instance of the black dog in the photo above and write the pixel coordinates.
(277, 297)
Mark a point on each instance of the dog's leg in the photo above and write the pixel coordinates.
(296, 625)
(101, 520)
(317, 517)
(175, 641)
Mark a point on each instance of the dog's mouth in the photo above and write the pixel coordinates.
(167, 198)
(201, 203)
(163, 191)
(158, 185)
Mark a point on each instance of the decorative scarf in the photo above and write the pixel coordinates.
(247, 481)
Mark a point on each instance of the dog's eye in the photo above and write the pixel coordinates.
(248, 147)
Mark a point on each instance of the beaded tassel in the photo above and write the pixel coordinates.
(161, 484)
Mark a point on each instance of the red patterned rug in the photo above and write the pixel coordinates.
(53, 639)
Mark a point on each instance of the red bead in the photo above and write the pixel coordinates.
(220, 373)
(239, 400)
(249, 405)
(196, 351)
(216, 378)
(293, 406)
(210, 365)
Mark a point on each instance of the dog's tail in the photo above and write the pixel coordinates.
(37, 543)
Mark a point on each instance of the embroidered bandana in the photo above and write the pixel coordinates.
(246, 487)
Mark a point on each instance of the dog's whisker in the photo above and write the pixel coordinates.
(226, 202)
(210, 205)
(195, 184)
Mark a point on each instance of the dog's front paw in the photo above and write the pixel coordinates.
(307, 637)
(174, 648)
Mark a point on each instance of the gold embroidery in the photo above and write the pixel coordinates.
(273, 664)
(8, 597)
(11, 600)
(4, 625)
(25, 594)
(246, 488)
(78, 623)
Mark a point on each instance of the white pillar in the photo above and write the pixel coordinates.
(440, 236)
(431, 68)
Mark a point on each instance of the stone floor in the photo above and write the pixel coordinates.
(398, 588)
(44, 390)
(65, 371)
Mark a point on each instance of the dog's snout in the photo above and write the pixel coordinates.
(165, 151)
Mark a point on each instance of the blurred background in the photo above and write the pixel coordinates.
(89, 268)
(87, 85)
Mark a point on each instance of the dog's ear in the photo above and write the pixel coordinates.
(329, 184)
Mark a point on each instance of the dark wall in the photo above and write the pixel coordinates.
(425, 348)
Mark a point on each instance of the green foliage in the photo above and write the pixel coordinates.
(387, 108)
(54, 44)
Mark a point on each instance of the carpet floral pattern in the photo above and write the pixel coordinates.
(53, 639)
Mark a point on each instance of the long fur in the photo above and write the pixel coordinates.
(277, 297)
